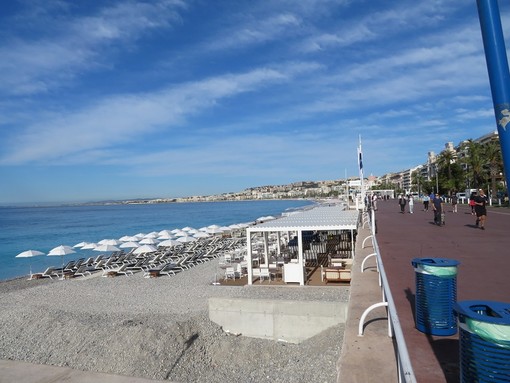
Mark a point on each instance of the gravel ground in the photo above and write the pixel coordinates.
(157, 328)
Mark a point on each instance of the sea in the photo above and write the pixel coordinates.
(43, 228)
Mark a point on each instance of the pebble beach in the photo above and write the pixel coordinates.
(158, 328)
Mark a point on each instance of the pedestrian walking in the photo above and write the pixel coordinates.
(374, 201)
(472, 203)
(437, 206)
(426, 200)
(402, 203)
(480, 209)
(410, 200)
(454, 203)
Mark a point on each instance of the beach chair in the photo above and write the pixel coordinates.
(82, 271)
(89, 261)
(50, 272)
(121, 270)
(138, 265)
(264, 274)
(167, 269)
(230, 273)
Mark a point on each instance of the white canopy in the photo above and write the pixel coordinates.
(321, 218)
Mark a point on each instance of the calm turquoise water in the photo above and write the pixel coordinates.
(43, 228)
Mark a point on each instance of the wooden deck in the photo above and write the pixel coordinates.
(314, 279)
(483, 273)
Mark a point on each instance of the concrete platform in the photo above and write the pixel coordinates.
(21, 372)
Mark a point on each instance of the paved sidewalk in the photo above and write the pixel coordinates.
(483, 273)
(371, 357)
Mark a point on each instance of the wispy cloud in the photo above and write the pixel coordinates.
(70, 45)
(124, 119)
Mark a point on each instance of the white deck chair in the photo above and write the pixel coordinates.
(121, 270)
(264, 274)
(230, 273)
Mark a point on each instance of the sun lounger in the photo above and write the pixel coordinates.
(50, 272)
(121, 270)
(167, 269)
(82, 271)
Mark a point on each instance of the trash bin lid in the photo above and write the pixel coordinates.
(437, 262)
(485, 311)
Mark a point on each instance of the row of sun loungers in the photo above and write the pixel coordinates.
(167, 261)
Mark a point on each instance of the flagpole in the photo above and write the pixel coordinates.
(360, 163)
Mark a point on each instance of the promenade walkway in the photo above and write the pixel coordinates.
(483, 273)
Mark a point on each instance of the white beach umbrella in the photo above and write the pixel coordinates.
(213, 227)
(169, 243)
(106, 248)
(29, 254)
(164, 236)
(164, 232)
(225, 228)
(181, 234)
(186, 239)
(187, 228)
(175, 231)
(140, 235)
(124, 238)
(81, 244)
(201, 234)
(112, 242)
(145, 249)
(215, 230)
(89, 246)
(203, 229)
(235, 226)
(151, 235)
(61, 251)
(132, 238)
(129, 245)
(149, 241)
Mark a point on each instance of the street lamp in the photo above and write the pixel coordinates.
(437, 180)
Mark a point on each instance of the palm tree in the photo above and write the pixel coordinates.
(474, 162)
(445, 160)
(444, 163)
(494, 162)
(417, 180)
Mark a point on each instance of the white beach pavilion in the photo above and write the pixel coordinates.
(320, 219)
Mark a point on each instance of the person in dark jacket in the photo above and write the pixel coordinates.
(480, 209)
(437, 206)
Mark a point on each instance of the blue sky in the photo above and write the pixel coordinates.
(166, 98)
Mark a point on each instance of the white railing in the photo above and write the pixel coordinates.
(404, 367)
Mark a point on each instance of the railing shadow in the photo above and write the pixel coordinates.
(445, 349)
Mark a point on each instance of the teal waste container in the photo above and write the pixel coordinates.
(436, 293)
(484, 341)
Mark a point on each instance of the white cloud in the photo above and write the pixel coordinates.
(125, 119)
(69, 46)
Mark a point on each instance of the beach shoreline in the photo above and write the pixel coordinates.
(157, 328)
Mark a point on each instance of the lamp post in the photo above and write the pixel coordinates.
(437, 179)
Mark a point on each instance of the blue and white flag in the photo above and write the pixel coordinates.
(360, 157)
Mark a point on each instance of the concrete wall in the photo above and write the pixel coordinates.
(288, 321)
